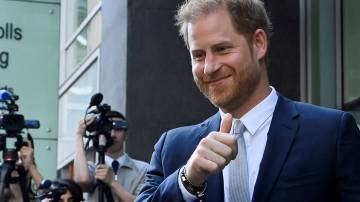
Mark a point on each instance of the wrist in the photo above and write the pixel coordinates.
(113, 183)
(79, 139)
(196, 179)
(31, 167)
(197, 190)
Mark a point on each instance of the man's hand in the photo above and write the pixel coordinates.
(82, 125)
(104, 173)
(27, 156)
(212, 154)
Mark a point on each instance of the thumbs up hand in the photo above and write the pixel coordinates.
(212, 154)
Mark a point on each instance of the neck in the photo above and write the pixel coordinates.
(115, 154)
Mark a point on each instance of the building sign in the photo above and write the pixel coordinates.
(29, 63)
(8, 31)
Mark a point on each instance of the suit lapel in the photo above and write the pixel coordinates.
(281, 134)
(212, 124)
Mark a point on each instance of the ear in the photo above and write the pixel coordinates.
(260, 41)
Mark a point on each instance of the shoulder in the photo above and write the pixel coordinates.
(306, 110)
(320, 115)
(138, 165)
(317, 110)
(311, 115)
(192, 131)
(141, 165)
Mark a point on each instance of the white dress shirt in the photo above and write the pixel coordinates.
(121, 160)
(257, 123)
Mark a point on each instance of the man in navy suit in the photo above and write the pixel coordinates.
(291, 151)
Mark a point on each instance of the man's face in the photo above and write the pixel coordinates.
(118, 136)
(224, 64)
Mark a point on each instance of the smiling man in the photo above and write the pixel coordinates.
(260, 146)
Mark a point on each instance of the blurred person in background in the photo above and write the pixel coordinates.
(65, 190)
(122, 174)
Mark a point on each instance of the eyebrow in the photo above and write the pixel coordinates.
(224, 43)
(196, 50)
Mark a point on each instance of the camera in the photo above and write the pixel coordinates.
(11, 141)
(15, 123)
(51, 190)
(10, 121)
(54, 190)
(103, 122)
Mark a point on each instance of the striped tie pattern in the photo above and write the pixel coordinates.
(238, 168)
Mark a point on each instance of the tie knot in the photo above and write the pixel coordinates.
(238, 127)
(115, 166)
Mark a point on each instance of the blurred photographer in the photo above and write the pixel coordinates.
(24, 166)
(121, 173)
(18, 165)
(63, 190)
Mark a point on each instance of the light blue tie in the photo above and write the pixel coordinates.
(238, 168)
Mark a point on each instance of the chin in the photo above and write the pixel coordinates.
(221, 103)
(114, 148)
(219, 98)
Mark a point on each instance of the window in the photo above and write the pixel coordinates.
(79, 69)
(77, 11)
(351, 49)
(85, 42)
(81, 34)
(331, 38)
(75, 100)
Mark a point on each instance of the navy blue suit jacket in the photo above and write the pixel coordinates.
(312, 155)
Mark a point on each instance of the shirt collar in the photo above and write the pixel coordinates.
(124, 161)
(254, 118)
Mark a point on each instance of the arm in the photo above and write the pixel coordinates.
(27, 157)
(36, 176)
(105, 174)
(157, 187)
(212, 154)
(348, 155)
(81, 170)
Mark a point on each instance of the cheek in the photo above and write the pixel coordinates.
(120, 136)
(238, 62)
(197, 70)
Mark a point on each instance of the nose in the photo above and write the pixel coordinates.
(211, 64)
(112, 133)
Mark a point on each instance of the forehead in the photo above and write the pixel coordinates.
(213, 27)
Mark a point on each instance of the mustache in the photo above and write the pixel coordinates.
(210, 78)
